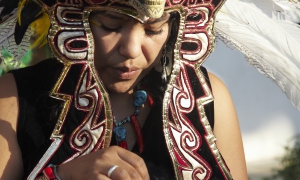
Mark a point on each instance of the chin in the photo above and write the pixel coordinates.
(120, 87)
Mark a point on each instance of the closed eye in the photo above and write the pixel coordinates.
(101, 25)
(110, 29)
(150, 32)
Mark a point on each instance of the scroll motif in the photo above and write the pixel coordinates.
(69, 39)
(88, 136)
(185, 137)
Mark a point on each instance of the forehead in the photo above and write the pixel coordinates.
(119, 15)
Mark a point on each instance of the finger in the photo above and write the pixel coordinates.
(101, 177)
(111, 170)
(121, 173)
(136, 162)
(125, 160)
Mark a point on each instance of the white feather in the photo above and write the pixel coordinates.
(290, 9)
(271, 43)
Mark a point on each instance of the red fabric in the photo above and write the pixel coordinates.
(123, 144)
(138, 132)
(150, 100)
(48, 172)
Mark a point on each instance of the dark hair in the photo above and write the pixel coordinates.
(153, 78)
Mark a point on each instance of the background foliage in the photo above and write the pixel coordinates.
(290, 162)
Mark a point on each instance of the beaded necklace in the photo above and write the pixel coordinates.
(140, 97)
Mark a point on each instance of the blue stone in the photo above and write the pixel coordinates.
(120, 132)
(140, 97)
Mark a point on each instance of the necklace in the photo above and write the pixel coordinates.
(140, 97)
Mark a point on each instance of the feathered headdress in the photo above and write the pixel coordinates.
(265, 31)
(16, 32)
(268, 33)
(71, 42)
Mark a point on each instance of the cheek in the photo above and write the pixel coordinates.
(103, 45)
(154, 52)
(101, 50)
(97, 42)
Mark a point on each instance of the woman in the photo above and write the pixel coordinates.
(71, 113)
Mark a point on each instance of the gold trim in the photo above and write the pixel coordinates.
(178, 62)
(167, 96)
(104, 93)
(200, 102)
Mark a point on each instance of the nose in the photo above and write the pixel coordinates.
(131, 43)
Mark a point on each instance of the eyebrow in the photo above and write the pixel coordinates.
(112, 16)
(153, 21)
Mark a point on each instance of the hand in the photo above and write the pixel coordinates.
(96, 165)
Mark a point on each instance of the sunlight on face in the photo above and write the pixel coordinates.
(125, 49)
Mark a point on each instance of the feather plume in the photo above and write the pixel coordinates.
(28, 12)
(11, 53)
(31, 14)
(271, 43)
(15, 34)
(40, 28)
(20, 7)
(7, 6)
(291, 9)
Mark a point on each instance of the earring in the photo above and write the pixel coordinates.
(164, 63)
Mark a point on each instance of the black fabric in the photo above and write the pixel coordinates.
(39, 112)
(193, 116)
(156, 154)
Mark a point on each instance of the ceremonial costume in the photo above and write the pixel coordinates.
(38, 113)
(68, 114)
(78, 96)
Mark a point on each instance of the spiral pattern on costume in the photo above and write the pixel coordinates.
(88, 135)
(195, 40)
(185, 138)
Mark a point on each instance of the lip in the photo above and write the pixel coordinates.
(126, 73)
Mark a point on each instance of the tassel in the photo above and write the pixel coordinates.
(20, 8)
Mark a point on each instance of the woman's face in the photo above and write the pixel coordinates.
(125, 49)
